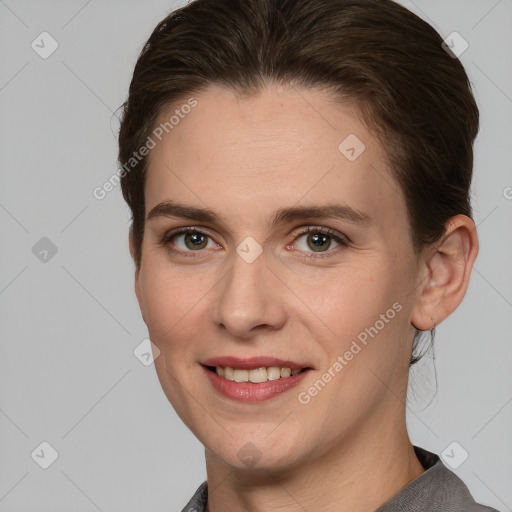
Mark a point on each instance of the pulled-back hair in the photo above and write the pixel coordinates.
(412, 93)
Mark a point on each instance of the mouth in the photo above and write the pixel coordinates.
(255, 379)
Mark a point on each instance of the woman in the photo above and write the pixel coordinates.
(298, 174)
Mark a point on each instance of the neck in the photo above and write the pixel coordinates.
(357, 474)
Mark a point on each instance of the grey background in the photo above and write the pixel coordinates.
(68, 375)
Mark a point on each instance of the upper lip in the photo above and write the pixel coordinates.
(253, 363)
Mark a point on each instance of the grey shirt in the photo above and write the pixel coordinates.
(438, 489)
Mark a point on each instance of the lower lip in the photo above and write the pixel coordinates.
(253, 392)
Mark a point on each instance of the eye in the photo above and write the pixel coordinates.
(187, 239)
(319, 240)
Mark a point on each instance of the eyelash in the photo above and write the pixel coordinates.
(341, 239)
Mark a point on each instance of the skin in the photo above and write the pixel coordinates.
(348, 448)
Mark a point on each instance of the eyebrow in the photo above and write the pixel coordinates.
(283, 215)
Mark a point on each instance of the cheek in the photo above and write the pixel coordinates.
(363, 315)
(171, 301)
(347, 300)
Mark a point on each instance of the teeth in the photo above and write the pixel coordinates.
(241, 375)
(256, 375)
(273, 373)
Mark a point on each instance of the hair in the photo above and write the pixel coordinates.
(410, 90)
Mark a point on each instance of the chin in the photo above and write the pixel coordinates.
(253, 454)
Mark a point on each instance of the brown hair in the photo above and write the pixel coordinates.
(375, 53)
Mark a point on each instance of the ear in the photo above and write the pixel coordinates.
(446, 269)
(131, 243)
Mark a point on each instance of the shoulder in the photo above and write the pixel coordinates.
(198, 502)
(438, 488)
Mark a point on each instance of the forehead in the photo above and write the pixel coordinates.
(281, 147)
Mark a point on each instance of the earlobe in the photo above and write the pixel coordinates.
(447, 269)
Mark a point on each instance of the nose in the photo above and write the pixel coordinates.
(250, 298)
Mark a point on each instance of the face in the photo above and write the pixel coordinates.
(300, 258)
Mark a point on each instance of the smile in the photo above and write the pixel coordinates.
(253, 379)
